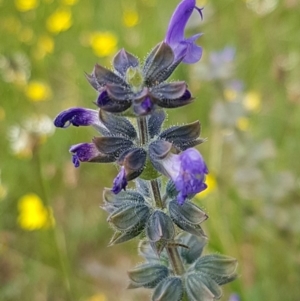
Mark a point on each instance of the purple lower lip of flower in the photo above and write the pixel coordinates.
(77, 117)
(183, 48)
(83, 152)
(120, 181)
(187, 170)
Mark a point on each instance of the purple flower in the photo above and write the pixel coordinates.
(83, 152)
(132, 162)
(187, 170)
(78, 117)
(144, 107)
(120, 181)
(183, 48)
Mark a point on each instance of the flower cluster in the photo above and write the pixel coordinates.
(129, 118)
(132, 90)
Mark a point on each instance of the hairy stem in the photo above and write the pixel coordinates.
(156, 194)
(175, 260)
(143, 130)
(171, 249)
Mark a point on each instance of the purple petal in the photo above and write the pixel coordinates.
(183, 48)
(179, 19)
(193, 52)
(83, 152)
(120, 181)
(103, 99)
(147, 104)
(187, 170)
(144, 107)
(186, 96)
(77, 117)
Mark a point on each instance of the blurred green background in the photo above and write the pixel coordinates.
(53, 239)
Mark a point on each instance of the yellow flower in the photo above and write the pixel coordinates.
(33, 214)
(211, 186)
(25, 5)
(103, 43)
(97, 297)
(252, 101)
(60, 20)
(243, 123)
(130, 18)
(37, 91)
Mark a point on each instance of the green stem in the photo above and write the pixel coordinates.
(171, 249)
(156, 194)
(57, 236)
(143, 130)
(175, 260)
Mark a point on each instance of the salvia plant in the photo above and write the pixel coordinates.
(132, 98)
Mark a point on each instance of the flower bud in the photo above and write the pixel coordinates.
(187, 216)
(160, 227)
(129, 216)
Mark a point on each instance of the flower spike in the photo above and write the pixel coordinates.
(163, 217)
(120, 181)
